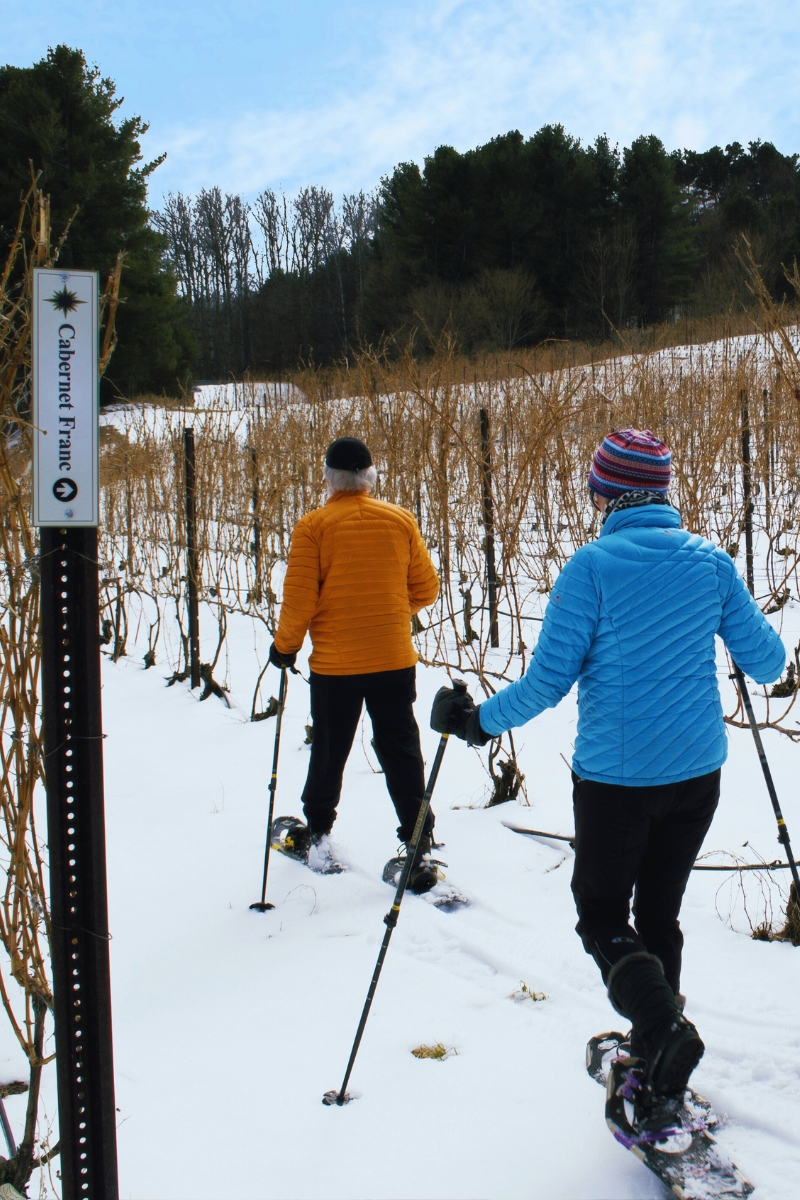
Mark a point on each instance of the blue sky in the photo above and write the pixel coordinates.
(256, 93)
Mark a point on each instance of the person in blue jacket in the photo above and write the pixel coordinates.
(633, 618)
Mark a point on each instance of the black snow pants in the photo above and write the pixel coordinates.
(640, 842)
(336, 703)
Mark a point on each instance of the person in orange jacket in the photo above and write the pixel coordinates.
(358, 571)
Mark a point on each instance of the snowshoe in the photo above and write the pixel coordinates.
(422, 878)
(294, 839)
(291, 837)
(425, 871)
(600, 1050)
(425, 880)
(669, 1134)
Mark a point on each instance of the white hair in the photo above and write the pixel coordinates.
(350, 481)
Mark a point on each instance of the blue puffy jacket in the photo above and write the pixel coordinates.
(632, 617)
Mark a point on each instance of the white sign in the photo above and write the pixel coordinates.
(65, 398)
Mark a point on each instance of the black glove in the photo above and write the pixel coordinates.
(474, 733)
(278, 659)
(454, 711)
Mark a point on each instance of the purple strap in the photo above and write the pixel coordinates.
(657, 1135)
(630, 1085)
(628, 1089)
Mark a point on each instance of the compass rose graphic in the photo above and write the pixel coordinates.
(65, 301)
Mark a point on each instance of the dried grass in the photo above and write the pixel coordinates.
(437, 1052)
(523, 993)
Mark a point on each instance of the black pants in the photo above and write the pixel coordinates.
(639, 841)
(336, 702)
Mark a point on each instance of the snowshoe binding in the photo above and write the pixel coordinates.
(426, 878)
(605, 1047)
(424, 874)
(294, 839)
(670, 1134)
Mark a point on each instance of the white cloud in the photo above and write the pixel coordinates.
(461, 72)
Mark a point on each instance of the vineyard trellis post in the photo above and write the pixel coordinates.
(748, 493)
(192, 570)
(73, 754)
(66, 493)
(256, 522)
(488, 526)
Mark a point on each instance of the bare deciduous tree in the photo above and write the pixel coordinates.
(609, 273)
(512, 307)
(227, 253)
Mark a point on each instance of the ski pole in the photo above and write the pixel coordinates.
(261, 905)
(783, 832)
(390, 920)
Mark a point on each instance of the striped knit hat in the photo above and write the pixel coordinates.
(627, 460)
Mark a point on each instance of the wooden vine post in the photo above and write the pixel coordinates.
(488, 526)
(256, 522)
(748, 493)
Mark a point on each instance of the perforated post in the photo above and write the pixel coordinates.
(192, 569)
(76, 841)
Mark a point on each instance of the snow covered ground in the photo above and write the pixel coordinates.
(242, 397)
(230, 1025)
(702, 356)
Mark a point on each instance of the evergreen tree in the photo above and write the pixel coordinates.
(755, 192)
(59, 115)
(651, 201)
(511, 205)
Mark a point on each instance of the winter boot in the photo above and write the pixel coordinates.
(424, 872)
(636, 1042)
(321, 857)
(671, 1061)
(670, 1045)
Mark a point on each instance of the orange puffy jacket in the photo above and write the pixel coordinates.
(358, 569)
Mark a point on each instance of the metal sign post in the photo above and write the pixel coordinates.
(65, 506)
(192, 568)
